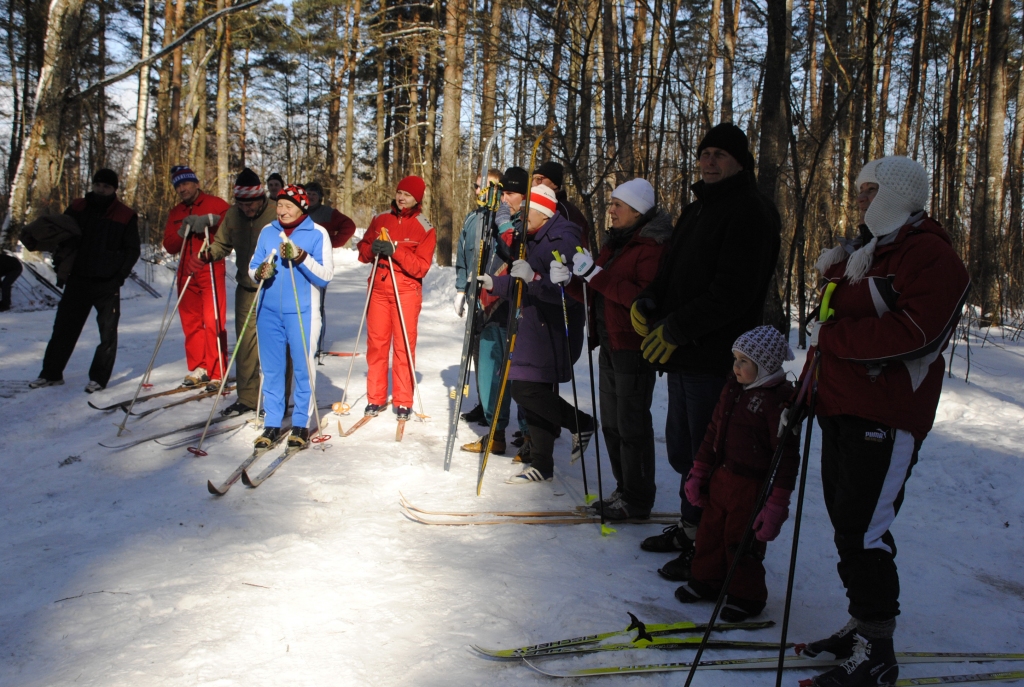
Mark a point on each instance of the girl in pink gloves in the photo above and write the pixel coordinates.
(730, 470)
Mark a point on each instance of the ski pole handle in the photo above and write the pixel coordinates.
(558, 257)
(825, 312)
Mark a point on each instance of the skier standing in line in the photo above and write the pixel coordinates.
(543, 357)
(552, 175)
(490, 323)
(187, 223)
(409, 247)
(239, 232)
(275, 183)
(730, 469)
(308, 254)
(103, 257)
(710, 289)
(627, 264)
(899, 291)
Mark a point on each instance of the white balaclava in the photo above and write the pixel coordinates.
(902, 192)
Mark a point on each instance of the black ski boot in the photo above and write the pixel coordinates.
(299, 438)
(837, 647)
(266, 440)
(372, 410)
(672, 538)
(235, 409)
(872, 664)
(474, 415)
(402, 412)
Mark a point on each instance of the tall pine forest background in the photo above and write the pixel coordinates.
(359, 93)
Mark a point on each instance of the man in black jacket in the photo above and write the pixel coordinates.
(104, 257)
(710, 289)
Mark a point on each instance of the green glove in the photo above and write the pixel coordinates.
(266, 270)
(638, 316)
(657, 348)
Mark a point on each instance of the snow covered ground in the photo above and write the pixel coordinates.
(118, 568)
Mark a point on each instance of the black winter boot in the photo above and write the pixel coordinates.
(267, 439)
(299, 438)
(836, 647)
(872, 664)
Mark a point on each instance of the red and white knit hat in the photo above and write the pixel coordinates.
(297, 195)
(543, 200)
(247, 185)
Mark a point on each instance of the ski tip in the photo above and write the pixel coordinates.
(245, 478)
(210, 487)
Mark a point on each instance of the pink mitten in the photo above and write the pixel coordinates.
(768, 522)
(696, 484)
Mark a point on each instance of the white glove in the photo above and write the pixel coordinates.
(583, 265)
(460, 303)
(486, 282)
(783, 419)
(522, 270)
(560, 274)
(814, 333)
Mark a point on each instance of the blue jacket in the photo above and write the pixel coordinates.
(311, 275)
(542, 353)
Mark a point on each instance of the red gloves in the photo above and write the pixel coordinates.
(696, 488)
(193, 265)
(768, 522)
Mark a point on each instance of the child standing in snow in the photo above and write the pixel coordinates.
(730, 469)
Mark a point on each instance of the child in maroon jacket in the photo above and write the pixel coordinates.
(730, 469)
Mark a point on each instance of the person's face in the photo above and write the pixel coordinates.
(187, 191)
(867, 193)
(274, 187)
(512, 199)
(535, 221)
(251, 208)
(287, 211)
(744, 368)
(541, 180)
(717, 164)
(404, 200)
(314, 199)
(621, 214)
(101, 189)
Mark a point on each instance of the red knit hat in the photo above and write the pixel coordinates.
(414, 186)
(297, 195)
(543, 200)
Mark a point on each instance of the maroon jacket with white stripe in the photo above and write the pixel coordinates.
(881, 353)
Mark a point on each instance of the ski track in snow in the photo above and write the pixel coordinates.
(120, 568)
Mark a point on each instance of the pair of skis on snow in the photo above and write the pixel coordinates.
(124, 405)
(577, 516)
(639, 635)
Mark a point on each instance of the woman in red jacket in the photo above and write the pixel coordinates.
(626, 265)
(409, 247)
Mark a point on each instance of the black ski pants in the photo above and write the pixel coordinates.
(627, 390)
(80, 297)
(546, 414)
(864, 468)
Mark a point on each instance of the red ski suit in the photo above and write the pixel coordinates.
(196, 309)
(414, 240)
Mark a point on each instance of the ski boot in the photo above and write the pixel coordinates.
(93, 386)
(580, 443)
(402, 412)
(836, 647)
(298, 439)
(871, 664)
(672, 538)
(195, 378)
(474, 415)
(266, 440)
(529, 476)
(497, 445)
(372, 410)
(235, 409)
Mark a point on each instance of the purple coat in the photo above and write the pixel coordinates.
(542, 353)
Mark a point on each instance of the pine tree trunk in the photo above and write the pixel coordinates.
(917, 64)
(454, 53)
(710, 69)
(733, 9)
(101, 95)
(174, 115)
(223, 104)
(350, 104)
(489, 101)
(131, 186)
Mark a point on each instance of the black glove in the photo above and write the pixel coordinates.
(383, 248)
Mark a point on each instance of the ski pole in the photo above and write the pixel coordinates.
(156, 349)
(796, 533)
(605, 529)
(216, 308)
(342, 408)
(198, 450)
(405, 333)
(793, 419)
(587, 496)
(321, 438)
(167, 305)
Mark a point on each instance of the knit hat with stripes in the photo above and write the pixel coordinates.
(543, 200)
(180, 173)
(248, 186)
(297, 195)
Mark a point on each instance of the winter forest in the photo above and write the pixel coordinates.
(359, 93)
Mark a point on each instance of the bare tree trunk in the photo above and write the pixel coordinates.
(558, 43)
(379, 169)
(429, 147)
(1015, 182)
(223, 100)
(489, 101)
(101, 95)
(41, 157)
(350, 104)
(733, 9)
(914, 85)
(710, 70)
(243, 107)
(454, 53)
(174, 131)
(985, 238)
(883, 98)
(131, 186)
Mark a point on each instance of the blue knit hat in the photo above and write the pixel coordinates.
(182, 173)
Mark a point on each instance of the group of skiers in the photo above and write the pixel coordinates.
(687, 300)
(683, 298)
